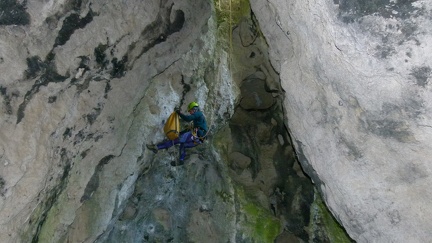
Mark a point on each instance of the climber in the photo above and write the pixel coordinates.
(188, 138)
(198, 119)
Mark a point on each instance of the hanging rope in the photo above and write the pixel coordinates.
(230, 35)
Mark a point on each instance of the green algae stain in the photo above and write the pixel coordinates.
(265, 227)
(323, 226)
(231, 11)
(257, 222)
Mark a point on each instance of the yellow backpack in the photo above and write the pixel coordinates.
(172, 126)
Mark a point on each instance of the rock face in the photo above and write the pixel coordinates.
(85, 85)
(358, 105)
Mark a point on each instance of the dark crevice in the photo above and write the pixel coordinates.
(306, 167)
(178, 22)
(186, 89)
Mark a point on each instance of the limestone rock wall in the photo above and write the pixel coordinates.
(84, 86)
(358, 105)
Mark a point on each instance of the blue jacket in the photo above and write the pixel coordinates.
(198, 119)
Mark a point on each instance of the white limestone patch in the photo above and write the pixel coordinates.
(355, 94)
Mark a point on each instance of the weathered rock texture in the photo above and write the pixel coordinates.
(358, 101)
(85, 84)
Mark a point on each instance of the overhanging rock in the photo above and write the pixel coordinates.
(358, 100)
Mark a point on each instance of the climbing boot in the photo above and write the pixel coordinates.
(152, 147)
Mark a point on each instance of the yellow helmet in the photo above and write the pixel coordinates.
(192, 105)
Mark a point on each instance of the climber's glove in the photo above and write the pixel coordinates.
(177, 110)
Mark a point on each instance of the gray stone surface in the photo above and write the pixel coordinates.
(85, 85)
(358, 105)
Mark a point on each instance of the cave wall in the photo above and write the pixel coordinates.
(84, 85)
(358, 106)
